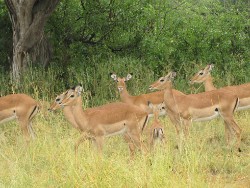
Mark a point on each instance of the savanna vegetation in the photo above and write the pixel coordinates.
(89, 39)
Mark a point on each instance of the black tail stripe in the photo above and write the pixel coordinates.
(34, 110)
(144, 124)
(236, 104)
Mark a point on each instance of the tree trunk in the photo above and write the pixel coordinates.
(28, 19)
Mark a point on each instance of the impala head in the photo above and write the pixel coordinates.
(71, 95)
(57, 102)
(162, 82)
(202, 75)
(121, 85)
(158, 109)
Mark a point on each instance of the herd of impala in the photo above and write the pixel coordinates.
(130, 116)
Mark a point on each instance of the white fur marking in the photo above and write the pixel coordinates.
(215, 115)
(8, 119)
(116, 133)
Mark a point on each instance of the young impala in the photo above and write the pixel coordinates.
(140, 100)
(156, 130)
(242, 91)
(103, 121)
(21, 107)
(199, 107)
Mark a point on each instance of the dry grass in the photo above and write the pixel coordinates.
(49, 161)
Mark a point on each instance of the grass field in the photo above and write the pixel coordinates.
(50, 161)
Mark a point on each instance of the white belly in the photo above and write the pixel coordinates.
(215, 115)
(115, 128)
(8, 119)
(242, 108)
(244, 104)
(122, 131)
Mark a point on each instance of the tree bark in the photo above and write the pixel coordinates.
(28, 19)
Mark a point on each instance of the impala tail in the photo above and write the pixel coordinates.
(236, 104)
(145, 122)
(34, 112)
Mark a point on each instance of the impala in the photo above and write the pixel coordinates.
(199, 107)
(242, 91)
(140, 100)
(103, 121)
(67, 110)
(156, 131)
(21, 107)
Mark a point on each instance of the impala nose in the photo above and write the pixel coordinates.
(120, 88)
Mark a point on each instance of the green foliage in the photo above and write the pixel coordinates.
(175, 33)
(158, 34)
(5, 38)
(96, 80)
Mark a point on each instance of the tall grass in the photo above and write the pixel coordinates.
(49, 161)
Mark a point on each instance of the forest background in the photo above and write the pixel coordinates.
(89, 39)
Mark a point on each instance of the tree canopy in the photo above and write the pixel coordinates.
(159, 33)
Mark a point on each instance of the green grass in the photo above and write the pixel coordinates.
(49, 161)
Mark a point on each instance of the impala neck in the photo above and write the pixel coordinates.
(125, 96)
(169, 98)
(68, 113)
(79, 115)
(156, 120)
(208, 83)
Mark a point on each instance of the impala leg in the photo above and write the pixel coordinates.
(136, 138)
(24, 127)
(228, 133)
(81, 139)
(176, 122)
(238, 132)
(151, 140)
(187, 124)
(31, 131)
(130, 144)
(99, 141)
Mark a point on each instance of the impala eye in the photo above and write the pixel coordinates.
(72, 96)
(201, 73)
(57, 100)
(161, 80)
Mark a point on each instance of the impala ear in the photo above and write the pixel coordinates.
(210, 67)
(173, 75)
(128, 77)
(113, 75)
(170, 76)
(79, 89)
(150, 105)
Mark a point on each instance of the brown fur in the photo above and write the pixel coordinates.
(242, 91)
(67, 110)
(185, 108)
(156, 130)
(105, 120)
(21, 107)
(140, 100)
